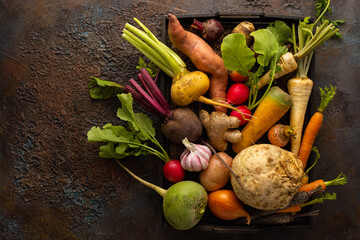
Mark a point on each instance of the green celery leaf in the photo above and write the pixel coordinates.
(236, 54)
(281, 31)
(101, 89)
(266, 45)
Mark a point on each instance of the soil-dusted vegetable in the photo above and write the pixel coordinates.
(220, 129)
(210, 30)
(186, 87)
(225, 205)
(195, 157)
(216, 175)
(243, 114)
(237, 94)
(245, 28)
(269, 175)
(314, 125)
(339, 180)
(173, 171)
(280, 134)
(184, 202)
(202, 56)
(308, 41)
(271, 109)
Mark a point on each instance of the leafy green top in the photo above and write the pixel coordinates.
(268, 43)
(122, 142)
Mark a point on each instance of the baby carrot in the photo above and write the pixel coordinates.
(314, 124)
(339, 180)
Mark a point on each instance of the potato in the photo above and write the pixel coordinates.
(216, 175)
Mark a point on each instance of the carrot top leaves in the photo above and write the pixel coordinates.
(339, 180)
(327, 95)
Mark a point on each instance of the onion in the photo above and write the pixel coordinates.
(195, 157)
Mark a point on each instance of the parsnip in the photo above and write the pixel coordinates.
(300, 91)
(286, 62)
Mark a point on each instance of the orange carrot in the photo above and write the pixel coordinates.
(293, 209)
(314, 125)
(339, 180)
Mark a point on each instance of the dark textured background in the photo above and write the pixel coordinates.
(52, 183)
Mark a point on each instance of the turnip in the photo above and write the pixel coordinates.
(211, 29)
(237, 94)
(184, 203)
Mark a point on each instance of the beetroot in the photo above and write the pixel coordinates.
(211, 29)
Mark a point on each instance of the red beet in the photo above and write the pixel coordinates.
(211, 29)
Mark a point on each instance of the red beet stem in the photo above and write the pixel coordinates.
(197, 25)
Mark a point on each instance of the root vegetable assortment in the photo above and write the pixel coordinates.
(256, 182)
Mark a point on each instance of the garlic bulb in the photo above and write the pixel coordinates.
(195, 157)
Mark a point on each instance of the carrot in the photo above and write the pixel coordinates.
(202, 56)
(293, 209)
(297, 208)
(225, 205)
(271, 109)
(339, 180)
(314, 125)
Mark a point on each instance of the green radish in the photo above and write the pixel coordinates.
(270, 110)
(184, 203)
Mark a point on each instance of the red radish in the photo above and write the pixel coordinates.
(245, 111)
(237, 94)
(237, 77)
(173, 171)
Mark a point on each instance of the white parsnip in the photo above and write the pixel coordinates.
(287, 63)
(300, 90)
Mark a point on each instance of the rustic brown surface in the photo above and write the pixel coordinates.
(53, 185)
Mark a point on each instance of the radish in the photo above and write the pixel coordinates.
(237, 77)
(246, 114)
(237, 94)
(211, 29)
(184, 203)
(173, 171)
